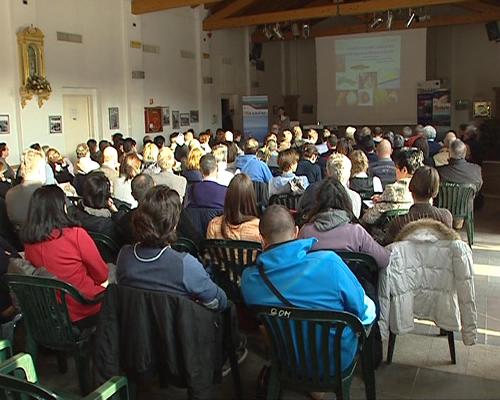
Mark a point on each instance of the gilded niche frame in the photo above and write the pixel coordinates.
(32, 66)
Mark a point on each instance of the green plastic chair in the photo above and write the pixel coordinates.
(18, 379)
(388, 216)
(228, 259)
(185, 245)
(107, 246)
(5, 350)
(458, 199)
(300, 344)
(43, 304)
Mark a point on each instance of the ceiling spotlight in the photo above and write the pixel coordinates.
(295, 30)
(388, 22)
(411, 18)
(376, 22)
(306, 31)
(267, 32)
(277, 31)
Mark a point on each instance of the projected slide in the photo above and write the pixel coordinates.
(367, 71)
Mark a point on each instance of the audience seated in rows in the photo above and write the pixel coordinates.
(207, 193)
(84, 165)
(368, 146)
(248, 163)
(55, 241)
(288, 181)
(240, 219)
(129, 168)
(443, 156)
(150, 155)
(383, 168)
(166, 176)
(335, 227)
(5, 182)
(4, 154)
(360, 182)
(110, 165)
(430, 133)
(307, 165)
(33, 172)
(224, 176)
(416, 138)
(396, 196)
(424, 187)
(331, 143)
(294, 269)
(192, 170)
(143, 264)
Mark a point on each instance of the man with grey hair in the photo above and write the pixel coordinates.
(338, 166)
(458, 169)
(443, 156)
(430, 133)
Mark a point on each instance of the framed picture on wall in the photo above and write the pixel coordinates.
(114, 117)
(153, 119)
(55, 124)
(185, 119)
(165, 116)
(175, 120)
(4, 124)
(194, 116)
(481, 109)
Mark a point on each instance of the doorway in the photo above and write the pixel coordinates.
(227, 115)
(78, 122)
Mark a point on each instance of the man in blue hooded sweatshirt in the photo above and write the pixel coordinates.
(249, 164)
(317, 280)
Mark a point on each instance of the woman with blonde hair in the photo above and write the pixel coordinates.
(129, 169)
(192, 170)
(150, 158)
(360, 182)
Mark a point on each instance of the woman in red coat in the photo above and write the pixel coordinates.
(54, 241)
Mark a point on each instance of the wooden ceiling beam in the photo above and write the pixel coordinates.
(478, 6)
(148, 6)
(355, 8)
(225, 12)
(436, 21)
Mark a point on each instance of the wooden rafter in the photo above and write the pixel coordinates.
(325, 11)
(435, 21)
(147, 6)
(231, 9)
(479, 6)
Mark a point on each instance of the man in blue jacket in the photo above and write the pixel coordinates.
(317, 280)
(249, 164)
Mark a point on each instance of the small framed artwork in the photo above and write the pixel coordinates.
(114, 117)
(175, 120)
(165, 116)
(4, 124)
(481, 109)
(153, 119)
(55, 124)
(185, 119)
(194, 116)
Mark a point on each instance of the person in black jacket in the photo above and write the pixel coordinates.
(307, 165)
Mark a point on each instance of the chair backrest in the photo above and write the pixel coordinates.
(456, 197)
(228, 259)
(288, 200)
(261, 195)
(389, 215)
(107, 246)
(43, 304)
(302, 344)
(201, 217)
(185, 245)
(364, 267)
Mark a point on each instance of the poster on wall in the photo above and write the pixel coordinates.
(55, 124)
(114, 118)
(165, 111)
(175, 120)
(194, 116)
(441, 108)
(185, 119)
(153, 119)
(4, 124)
(255, 116)
(424, 108)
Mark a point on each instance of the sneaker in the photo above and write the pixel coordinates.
(241, 354)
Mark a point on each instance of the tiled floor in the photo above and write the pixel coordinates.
(421, 366)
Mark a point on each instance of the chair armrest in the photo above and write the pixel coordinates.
(84, 300)
(109, 388)
(5, 347)
(20, 361)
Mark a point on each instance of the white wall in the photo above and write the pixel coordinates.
(103, 65)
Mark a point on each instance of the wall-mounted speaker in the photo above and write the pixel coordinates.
(493, 31)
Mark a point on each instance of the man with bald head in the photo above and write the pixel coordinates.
(312, 280)
(384, 167)
(109, 166)
(443, 156)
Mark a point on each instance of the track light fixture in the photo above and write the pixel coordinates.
(295, 30)
(411, 18)
(376, 22)
(267, 32)
(306, 31)
(388, 21)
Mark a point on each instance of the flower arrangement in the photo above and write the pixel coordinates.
(38, 85)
